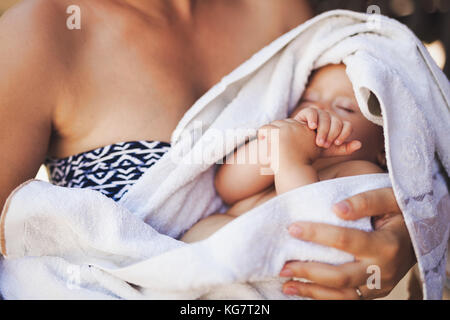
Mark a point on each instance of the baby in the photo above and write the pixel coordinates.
(325, 137)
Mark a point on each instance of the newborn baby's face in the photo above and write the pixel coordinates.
(331, 90)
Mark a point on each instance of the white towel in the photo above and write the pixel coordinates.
(81, 245)
(97, 243)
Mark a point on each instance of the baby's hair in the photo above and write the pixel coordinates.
(311, 74)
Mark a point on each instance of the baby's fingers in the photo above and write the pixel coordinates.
(344, 149)
(335, 130)
(323, 128)
(345, 132)
(309, 116)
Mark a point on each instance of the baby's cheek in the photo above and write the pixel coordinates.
(373, 134)
(371, 139)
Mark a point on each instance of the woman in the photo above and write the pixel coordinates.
(123, 81)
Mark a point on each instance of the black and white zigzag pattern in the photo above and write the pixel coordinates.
(111, 170)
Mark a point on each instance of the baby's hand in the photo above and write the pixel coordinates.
(294, 141)
(332, 132)
(299, 142)
(330, 129)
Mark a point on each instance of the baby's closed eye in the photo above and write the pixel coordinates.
(345, 104)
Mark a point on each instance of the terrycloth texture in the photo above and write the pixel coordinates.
(96, 244)
(79, 244)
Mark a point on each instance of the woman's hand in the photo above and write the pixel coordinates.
(388, 247)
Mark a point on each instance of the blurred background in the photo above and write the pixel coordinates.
(429, 20)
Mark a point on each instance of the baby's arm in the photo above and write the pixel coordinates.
(297, 151)
(250, 169)
(238, 178)
(241, 176)
(291, 166)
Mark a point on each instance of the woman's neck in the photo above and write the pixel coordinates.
(166, 10)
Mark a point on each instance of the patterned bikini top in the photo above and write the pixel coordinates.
(112, 169)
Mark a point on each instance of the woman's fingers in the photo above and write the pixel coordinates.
(373, 293)
(347, 275)
(350, 275)
(367, 204)
(357, 242)
(318, 292)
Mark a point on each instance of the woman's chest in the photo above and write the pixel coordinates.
(136, 81)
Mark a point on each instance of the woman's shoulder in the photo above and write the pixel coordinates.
(35, 50)
(33, 57)
(35, 28)
(34, 16)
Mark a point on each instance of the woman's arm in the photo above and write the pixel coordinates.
(27, 88)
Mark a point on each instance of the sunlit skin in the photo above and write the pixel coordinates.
(130, 73)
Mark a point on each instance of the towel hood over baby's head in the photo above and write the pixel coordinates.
(372, 60)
